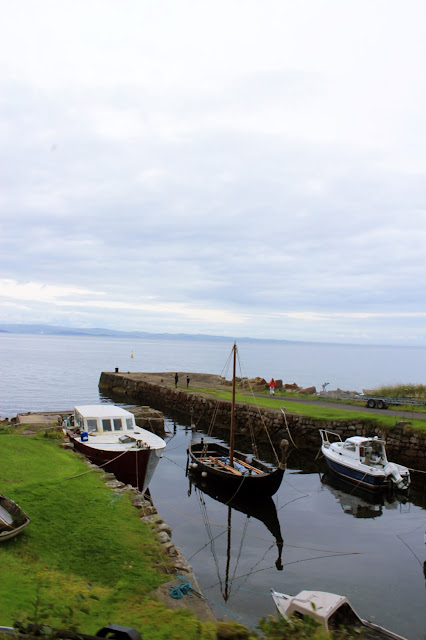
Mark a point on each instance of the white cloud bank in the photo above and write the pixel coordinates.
(246, 168)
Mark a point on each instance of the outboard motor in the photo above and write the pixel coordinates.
(392, 472)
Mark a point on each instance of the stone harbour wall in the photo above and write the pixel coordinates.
(403, 444)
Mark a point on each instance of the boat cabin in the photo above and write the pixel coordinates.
(104, 418)
(369, 451)
(329, 610)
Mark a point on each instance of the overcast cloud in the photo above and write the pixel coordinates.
(229, 167)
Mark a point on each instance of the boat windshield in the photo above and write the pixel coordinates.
(106, 424)
(349, 446)
(129, 424)
(117, 424)
(92, 425)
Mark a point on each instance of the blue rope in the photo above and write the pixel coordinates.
(182, 589)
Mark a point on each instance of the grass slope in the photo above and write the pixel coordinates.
(86, 559)
(387, 421)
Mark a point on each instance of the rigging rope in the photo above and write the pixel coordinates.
(261, 417)
(288, 430)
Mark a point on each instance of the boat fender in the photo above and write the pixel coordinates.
(391, 471)
(204, 474)
(84, 436)
(194, 465)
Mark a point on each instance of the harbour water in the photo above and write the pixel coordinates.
(333, 539)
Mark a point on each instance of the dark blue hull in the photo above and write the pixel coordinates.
(358, 477)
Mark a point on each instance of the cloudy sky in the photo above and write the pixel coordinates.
(229, 167)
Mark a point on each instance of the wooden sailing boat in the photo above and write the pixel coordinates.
(228, 471)
(263, 509)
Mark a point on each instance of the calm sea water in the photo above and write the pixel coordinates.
(50, 372)
(333, 539)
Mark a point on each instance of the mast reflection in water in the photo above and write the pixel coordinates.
(263, 510)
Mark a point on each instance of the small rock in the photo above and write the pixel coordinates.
(165, 527)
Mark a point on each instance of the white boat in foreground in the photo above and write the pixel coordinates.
(330, 610)
(109, 437)
(363, 460)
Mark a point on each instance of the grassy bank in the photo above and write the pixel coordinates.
(86, 559)
(387, 421)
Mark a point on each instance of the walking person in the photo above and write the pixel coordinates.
(272, 384)
(176, 380)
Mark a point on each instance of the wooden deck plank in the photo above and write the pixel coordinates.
(247, 465)
(225, 466)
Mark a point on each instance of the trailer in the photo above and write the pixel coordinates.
(383, 403)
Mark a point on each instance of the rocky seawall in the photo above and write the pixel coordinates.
(403, 444)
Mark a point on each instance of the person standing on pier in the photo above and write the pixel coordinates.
(187, 381)
(176, 380)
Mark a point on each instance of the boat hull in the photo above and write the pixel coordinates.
(230, 485)
(359, 477)
(15, 519)
(135, 467)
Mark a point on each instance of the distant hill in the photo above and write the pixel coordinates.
(47, 329)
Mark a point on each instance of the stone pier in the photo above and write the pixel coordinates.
(403, 444)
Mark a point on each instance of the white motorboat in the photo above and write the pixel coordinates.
(109, 437)
(363, 460)
(329, 610)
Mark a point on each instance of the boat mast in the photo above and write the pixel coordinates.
(231, 435)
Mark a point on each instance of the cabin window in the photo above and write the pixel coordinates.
(349, 446)
(106, 424)
(78, 420)
(117, 424)
(129, 423)
(298, 615)
(92, 425)
(345, 616)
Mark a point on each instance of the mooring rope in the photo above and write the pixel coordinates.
(183, 589)
(98, 466)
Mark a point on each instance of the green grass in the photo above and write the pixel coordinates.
(384, 420)
(86, 559)
(417, 391)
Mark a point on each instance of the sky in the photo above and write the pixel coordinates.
(245, 168)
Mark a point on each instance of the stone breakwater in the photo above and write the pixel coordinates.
(403, 444)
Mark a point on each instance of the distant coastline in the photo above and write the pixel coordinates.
(53, 330)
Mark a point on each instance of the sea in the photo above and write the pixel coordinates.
(45, 372)
(316, 534)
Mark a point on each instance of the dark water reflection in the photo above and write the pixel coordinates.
(314, 534)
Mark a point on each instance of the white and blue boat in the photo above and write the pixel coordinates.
(362, 460)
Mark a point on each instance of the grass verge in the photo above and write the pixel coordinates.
(86, 559)
(315, 411)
